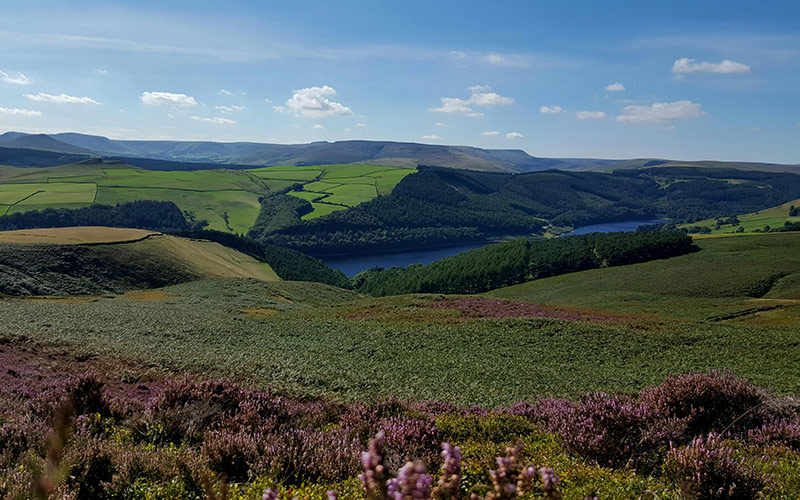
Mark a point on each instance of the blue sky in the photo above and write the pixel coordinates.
(679, 79)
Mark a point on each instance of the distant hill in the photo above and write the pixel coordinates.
(41, 142)
(201, 155)
(404, 154)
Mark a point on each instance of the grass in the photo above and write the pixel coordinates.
(727, 276)
(773, 217)
(227, 199)
(353, 351)
(74, 235)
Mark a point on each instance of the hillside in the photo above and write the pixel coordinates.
(773, 217)
(194, 154)
(442, 206)
(90, 261)
(754, 277)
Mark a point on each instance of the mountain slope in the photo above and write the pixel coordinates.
(40, 142)
(390, 153)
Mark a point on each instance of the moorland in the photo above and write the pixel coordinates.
(177, 345)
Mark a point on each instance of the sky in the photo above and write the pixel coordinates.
(690, 80)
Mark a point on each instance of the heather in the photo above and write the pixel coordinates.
(65, 433)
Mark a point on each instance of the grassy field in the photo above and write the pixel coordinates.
(227, 199)
(727, 276)
(773, 217)
(74, 235)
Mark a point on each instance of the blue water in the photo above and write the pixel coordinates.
(612, 227)
(351, 266)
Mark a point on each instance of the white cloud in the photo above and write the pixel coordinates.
(453, 105)
(590, 115)
(514, 135)
(430, 137)
(479, 88)
(490, 132)
(661, 112)
(361, 125)
(318, 127)
(479, 97)
(20, 112)
(314, 102)
(215, 121)
(103, 72)
(266, 99)
(168, 98)
(686, 65)
(228, 110)
(224, 92)
(20, 79)
(551, 110)
(60, 99)
(457, 54)
(507, 60)
(439, 124)
(615, 87)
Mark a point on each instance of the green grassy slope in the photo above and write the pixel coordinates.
(726, 276)
(773, 217)
(155, 261)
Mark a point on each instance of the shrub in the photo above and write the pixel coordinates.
(782, 433)
(610, 430)
(708, 469)
(232, 455)
(713, 402)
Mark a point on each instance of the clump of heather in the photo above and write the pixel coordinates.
(511, 478)
(709, 469)
(450, 480)
(412, 483)
(709, 402)
(611, 430)
(550, 483)
(410, 439)
(782, 432)
(374, 476)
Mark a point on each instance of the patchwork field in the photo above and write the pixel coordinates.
(227, 199)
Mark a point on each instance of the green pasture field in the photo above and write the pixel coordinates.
(773, 217)
(307, 195)
(321, 209)
(227, 199)
(240, 207)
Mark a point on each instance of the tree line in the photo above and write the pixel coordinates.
(517, 261)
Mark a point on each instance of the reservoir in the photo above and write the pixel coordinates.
(352, 265)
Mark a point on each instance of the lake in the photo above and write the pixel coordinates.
(351, 266)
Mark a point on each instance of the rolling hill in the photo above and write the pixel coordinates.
(389, 153)
(97, 260)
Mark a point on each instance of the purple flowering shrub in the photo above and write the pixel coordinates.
(191, 439)
(782, 433)
(511, 478)
(611, 430)
(709, 469)
(709, 402)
